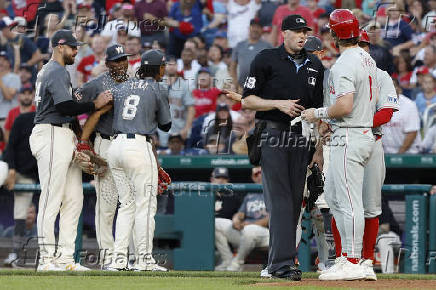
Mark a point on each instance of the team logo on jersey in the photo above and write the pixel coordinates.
(311, 81)
(332, 90)
(77, 95)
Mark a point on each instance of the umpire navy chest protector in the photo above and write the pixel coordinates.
(275, 75)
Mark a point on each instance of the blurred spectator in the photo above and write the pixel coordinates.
(2, 141)
(215, 62)
(51, 7)
(379, 49)
(92, 65)
(222, 126)
(241, 127)
(25, 100)
(239, 14)
(400, 134)
(388, 238)
(227, 203)
(212, 20)
(202, 56)
(427, 22)
(205, 96)
(25, 74)
(189, 66)
(244, 53)
(247, 230)
(216, 145)
(403, 70)
(181, 104)
(428, 145)
(221, 39)
(149, 13)
(22, 169)
(20, 48)
(266, 12)
(9, 85)
(176, 146)
(210, 118)
(185, 21)
(428, 94)
(429, 63)
(369, 7)
(316, 13)
(133, 47)
(293, 7)
(125, 23)
(398, 32)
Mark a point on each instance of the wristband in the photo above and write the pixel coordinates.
(321, 113)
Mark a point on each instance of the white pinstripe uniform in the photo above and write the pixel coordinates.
(354, 72)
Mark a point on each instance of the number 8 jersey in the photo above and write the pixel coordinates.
(140, 106)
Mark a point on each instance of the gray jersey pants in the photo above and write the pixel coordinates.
(284, 165)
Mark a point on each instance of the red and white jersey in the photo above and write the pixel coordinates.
(354, 72)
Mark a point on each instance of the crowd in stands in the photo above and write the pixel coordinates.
(209, 46)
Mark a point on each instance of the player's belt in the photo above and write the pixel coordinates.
(64, 125)
(104, 136)
(283, 126)
(133, 136)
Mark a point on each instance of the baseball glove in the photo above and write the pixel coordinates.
(89, 161)
(315, 186)
(164, 181)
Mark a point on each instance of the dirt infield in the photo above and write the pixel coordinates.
(380, 284)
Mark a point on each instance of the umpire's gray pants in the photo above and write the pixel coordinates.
(284, 166)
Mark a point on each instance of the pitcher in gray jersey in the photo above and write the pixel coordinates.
(52, 143)
(140, 107)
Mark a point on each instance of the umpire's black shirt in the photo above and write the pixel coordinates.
(275, 75)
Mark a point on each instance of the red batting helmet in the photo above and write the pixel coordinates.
(364, 36)
(344, 24)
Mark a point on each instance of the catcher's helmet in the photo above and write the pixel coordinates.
(344, 24)
(364, 36)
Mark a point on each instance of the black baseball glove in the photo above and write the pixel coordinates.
(315, 186)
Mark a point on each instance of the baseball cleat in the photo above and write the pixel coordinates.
(48, 267)
(368, 270)
(264, 273)
(338, 262)
(346, 271)
(150, 267)
(234, 266)
(74, 267)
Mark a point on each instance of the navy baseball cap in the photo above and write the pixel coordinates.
(312, 44)
(65, 37)
(220, 172)
(26, 88)
(204, 69)
(294, 22)
(153, 57)
(115, 52)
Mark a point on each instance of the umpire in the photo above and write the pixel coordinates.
(282, 82)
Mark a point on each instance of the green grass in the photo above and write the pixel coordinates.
(28, 279)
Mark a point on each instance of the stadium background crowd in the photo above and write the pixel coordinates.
(209, 46)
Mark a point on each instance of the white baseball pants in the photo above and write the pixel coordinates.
(133, 160)
(61, 191)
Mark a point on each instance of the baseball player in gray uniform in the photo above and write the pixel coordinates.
(107, 195)
(52, 143)
(353, 95)
(140, 107)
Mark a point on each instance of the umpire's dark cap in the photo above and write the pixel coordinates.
(115, 52)
(65, 37)
(220, 172)
(294, 22)
(312, 44)
(153, 57)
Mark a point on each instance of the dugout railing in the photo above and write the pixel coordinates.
(193, 225)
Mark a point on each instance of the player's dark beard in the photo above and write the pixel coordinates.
(68, 59)
(118, 76)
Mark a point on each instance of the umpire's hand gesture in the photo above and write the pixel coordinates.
(289, 107)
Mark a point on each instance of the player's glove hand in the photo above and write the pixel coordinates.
(88, 160)
(315, 186)
(164, 181)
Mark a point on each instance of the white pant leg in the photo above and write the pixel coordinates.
(385, 244)
(251, 236)
(71, 208)
(53, 149)
(22, 200)
(221, 243)
(374, 177)
(106, 204)
(347, 170)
